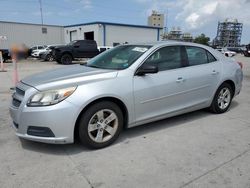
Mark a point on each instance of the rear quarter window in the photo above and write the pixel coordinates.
(199, 56)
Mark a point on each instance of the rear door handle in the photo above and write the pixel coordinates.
(214, 72)
(179, 80)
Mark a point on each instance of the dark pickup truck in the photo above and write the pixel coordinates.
(76, 49)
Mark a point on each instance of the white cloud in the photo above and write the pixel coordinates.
(83, 4)
(197, 14)
(87, 4)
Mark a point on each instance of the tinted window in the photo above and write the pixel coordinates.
(210, 57)
(40, 47)
(166, 58)
(196, 55)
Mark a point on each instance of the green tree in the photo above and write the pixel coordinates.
(202, 39)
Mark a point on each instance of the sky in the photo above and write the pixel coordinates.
(194, 16)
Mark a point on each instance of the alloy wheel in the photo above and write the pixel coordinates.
(224, 98)
(103, 125)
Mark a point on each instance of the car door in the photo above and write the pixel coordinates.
(77, 49)
(157, 94)
(201, 76)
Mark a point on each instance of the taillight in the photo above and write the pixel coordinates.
(241, 64)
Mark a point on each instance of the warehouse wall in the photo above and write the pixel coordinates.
(114, 34)
(122, 34)
(81, 30)
(30, 34)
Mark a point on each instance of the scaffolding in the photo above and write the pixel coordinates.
(229, 33)
(177, 34)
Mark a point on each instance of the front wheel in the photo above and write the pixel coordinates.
(100, 125)
(222, 99)
(50, 58)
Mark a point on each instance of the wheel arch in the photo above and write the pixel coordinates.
(115, 100)
(231, 83)
(68, 53)
(228, 81)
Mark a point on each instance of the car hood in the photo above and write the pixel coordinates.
(68, 76)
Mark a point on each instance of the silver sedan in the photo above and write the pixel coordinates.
(126, 86)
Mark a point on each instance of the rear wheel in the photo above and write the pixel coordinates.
(222, 99)
(100, 125)
(66, 59)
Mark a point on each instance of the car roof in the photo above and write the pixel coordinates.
(170, 42)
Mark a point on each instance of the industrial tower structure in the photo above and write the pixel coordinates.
(228, 33)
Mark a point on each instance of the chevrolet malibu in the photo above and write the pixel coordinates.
(126, 86)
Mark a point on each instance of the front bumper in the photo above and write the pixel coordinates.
(59, 118)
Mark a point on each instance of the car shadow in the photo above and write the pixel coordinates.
(142, 130)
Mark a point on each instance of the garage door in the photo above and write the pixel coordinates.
(73, 35)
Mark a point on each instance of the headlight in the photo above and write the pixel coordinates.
(50, 97)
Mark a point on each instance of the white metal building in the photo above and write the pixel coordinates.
(30, 34)
(104, 33)
(110, 34)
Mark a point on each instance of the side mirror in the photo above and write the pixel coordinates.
(147, 69)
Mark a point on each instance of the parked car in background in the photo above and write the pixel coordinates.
(246, 52)
(76, 49)
(5, 54)
(226, 52)
(104, 48)
(124, 87)
(46, 54)
(36, 53)
(235, 49)
(35, 48)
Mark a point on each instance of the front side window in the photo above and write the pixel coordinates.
(166, 58)
(118, 58)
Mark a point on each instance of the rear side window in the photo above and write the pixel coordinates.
(166, 58)
(198, 56)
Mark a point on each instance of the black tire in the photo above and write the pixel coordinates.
(215, 107)
(226, 55)
(58, 61)
(66, 59)
(85, 118)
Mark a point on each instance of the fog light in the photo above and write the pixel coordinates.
(40, 131)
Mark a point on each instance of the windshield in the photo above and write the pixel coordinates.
(118, 58)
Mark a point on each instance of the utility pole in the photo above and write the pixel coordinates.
(41, 10)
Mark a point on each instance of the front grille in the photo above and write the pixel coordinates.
(16, 102)
(17, 97)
